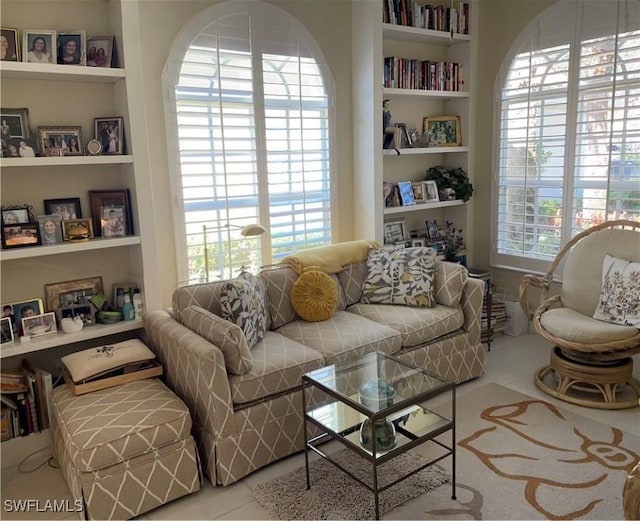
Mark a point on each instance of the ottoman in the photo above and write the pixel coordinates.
(124, 450)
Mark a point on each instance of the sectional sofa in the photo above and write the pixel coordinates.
(246, 401)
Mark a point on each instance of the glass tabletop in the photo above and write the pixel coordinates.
(378, 383)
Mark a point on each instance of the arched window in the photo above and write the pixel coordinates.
(249, 122)
(569, 129)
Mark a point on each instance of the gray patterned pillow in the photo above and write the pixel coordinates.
(403, 276)
(242, 302)
(227, 336)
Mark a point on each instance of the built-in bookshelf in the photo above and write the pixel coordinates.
(393, 44)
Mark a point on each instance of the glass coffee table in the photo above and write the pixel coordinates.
(344, 401)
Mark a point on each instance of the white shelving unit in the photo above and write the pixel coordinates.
(372, 41)
(65, 95)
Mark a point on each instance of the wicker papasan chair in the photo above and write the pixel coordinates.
(591, 363)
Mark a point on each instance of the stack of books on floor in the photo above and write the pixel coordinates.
(498, 320)
(24, 399)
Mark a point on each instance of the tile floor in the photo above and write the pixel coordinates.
(510, 363)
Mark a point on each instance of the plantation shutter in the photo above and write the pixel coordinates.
(253, 129)
(569, 130)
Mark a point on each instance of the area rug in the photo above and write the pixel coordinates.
(335, 495)
(524, 458)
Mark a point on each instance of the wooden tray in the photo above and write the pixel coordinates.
(112, 381)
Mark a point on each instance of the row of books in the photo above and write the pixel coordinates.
(25, 401)
(438, 18)
(408, 73)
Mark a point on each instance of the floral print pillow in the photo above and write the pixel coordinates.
(620, 294)
(242, 301)
(402, 276)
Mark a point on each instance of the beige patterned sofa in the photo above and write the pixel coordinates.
(245, 421)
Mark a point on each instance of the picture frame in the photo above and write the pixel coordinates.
(50, 229)
(20, 235)
(68, 138)
(431, 192)
(442, 131)
(65, 208)
(39, 46)
(433, 232)
(71, 294)
(109, 131)
(419, 192)
(418, 243)
(72, 48)
(14, 123)
(15, 311)
(39, 325)
(20, 147)
(406, 193)
(6, 331)
(111, 212)
(97, 58)
(17, 214)
(77, 230)
(394, 231)
(12, 53)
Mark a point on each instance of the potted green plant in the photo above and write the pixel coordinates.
(454, 178)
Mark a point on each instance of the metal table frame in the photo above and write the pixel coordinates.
(312, 444)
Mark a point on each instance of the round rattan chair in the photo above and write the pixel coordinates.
(591, 362)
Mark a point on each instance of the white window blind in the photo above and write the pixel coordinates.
(569, 132)
(253, 118)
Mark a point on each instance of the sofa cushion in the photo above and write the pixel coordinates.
(619, 301)
(344, 336)
(228, 336)
(279, 281)
(314, 296)
(401, 276)
(352, 280)
(242, 301)
(449, 279)
(278, 366)
(206, 296)
(416, 325)
(109, 426)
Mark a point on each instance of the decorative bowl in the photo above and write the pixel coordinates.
(71, 325)
(376, 394)
(109, 317)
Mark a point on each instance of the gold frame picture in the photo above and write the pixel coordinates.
(442, 131)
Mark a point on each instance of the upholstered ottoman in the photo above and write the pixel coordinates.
(124, 450)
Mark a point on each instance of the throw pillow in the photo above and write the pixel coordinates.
(402, 276)
(314, 296)
(242, 302)
(619, 301)
(224, 334)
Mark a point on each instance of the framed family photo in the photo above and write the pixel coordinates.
(39, 325)
(394, 231)
(70, 297)
(100, 51)
(9, 51)
(418, 192)
(431, 192)
(39, 46)
(67, 139)
(432, 229)
(110, 133)
(64, 209)
(16, 311)
(20, 235)
(406, 193)
(6, 331)
(72, 48)
(111, 212)
(442, 131)
(14, 123)
(50, 229)
(16, 214)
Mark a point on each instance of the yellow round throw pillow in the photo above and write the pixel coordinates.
(314, 296)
